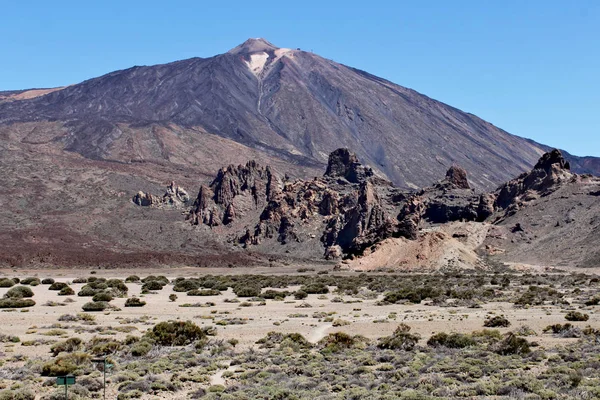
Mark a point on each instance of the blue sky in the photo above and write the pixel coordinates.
(530, 67)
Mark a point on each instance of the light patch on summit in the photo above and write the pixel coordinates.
(257, 62)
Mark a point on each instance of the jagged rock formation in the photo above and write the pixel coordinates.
(547, 175)
(350, 211)
(174, 197)
(354, 207)
(235, 191)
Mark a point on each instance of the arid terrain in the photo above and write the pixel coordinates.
(344, 319)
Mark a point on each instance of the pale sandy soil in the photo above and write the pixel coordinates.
(365, 318)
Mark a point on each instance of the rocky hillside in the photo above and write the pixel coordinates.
(292, 106)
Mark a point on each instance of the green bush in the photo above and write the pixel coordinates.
(452, 340)
(243, 290)
(47, 281)
(300, 295)
(19, 292)
(141, 348)
(80, 280)
(203, 292)
(66, 364)
(401, 339)
(16, 303)
(172, 297)
(274, 294)
(87, 291)
(66, 291)
(576, 316)
(102, 296)
(176, 333)
(187, 285)
(6, 283)
(132, 278)
(117, 286)
(315, 288)
(57, 286)
(337, 341)
(152, 285)
(68, 346)
(134, 302)
(30, 281)
(497, 322)
(18, 394)
(95, 306)
(512, 344)
(102, 346)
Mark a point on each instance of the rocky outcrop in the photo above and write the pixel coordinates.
(353, 208)
(344, 164)
(174, 197)
(458, 177)
(350, 211)
(547, 175)
(145, 199)
(235, 191)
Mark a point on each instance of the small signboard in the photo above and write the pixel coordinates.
(65, 380)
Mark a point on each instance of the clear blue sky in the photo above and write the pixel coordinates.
(530, 67)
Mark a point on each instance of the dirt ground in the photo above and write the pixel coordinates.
(366, 317)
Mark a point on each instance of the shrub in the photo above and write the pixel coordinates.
(95, 306)
(102, 346)
(30, 281)
(57, 286)
(66, 291)
(6, 283)
(452, 340)
(91, 384)
(134, 302)
(176, 333)
(186, 285)
(102, 296)
(401, 339)
(203, 292)
(315, 288)
(132, 278)
(66, 364)
(293, 340)
(152, 285)
(117, 284)
(87, 291)
(141, 348)
(300, 295)
(246, 291)
(19, 394)
(16, 303)
(512, 344)
(47, 281)
(172, 297)
(536, 295)
(576, 316)
(274, 294)
(19, 292)
(337, 341)
(497, 322)
(68, 346)
(80, 280)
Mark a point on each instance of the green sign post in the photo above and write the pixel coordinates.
(105, 365)
(65, 381)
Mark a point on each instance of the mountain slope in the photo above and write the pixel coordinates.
(292, 105)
